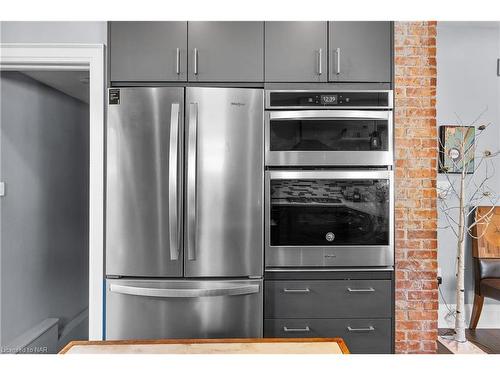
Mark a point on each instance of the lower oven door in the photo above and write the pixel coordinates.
(161, 309)
(329, 218)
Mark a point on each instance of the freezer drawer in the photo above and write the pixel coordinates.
(362, 336)
(156, 309)
(328, 299)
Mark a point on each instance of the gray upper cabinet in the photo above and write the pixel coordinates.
(214, 51)
(226, 51)
(148, 51)
(296, 51)
(360, 51)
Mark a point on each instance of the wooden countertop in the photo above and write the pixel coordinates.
(210, 346)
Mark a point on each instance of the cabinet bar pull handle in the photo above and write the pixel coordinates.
(195, 61)
(337, 52)
(178, 61)
(320, 67)
(305, 329)
(363, 329)
(362, 290)
(305, 290)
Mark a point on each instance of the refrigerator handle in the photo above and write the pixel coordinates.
(233, 290)
(191, 180)
(173, 182)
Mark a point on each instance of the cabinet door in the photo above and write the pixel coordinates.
(295, 51)
(226, 51)
(360, 51)
(148, 51)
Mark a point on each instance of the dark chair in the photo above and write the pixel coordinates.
(486, 258)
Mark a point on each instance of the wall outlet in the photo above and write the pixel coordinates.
(439, 276)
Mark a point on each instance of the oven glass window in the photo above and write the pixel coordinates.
(329, 212)
(328, 135)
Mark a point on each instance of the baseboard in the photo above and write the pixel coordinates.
(490, 316)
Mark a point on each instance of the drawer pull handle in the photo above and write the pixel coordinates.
(363, 329)
(365, 290)
(305, 329)
(305, 290)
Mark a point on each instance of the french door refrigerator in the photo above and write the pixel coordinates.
(184, 233)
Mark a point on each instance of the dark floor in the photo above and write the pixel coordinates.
(487, 339)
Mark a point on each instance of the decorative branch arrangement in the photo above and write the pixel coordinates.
(463, 195)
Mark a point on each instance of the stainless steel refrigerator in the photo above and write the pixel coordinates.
(184, 233)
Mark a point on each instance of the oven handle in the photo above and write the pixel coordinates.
(322, 174)
(330, 115)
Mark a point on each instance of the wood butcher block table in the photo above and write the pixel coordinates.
(210, 346)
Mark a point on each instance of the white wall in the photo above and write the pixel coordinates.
(53, 32)
(467, 83)
(44, 214)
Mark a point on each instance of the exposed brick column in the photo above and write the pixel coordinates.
(415, 185)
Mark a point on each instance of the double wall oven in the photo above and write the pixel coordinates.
(328, 179)
(328, 128)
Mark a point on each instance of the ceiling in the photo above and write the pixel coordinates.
(72, 83)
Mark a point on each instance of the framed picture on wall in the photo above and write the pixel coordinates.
(456, 147)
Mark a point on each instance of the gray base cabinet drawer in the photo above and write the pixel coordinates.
(362, 336)
(328, 299)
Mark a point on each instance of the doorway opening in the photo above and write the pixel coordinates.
(51, 195)
(44, 161)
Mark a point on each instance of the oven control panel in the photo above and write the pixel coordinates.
(308, 99)
(328, 99)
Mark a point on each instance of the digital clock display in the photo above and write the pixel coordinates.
(329, 99)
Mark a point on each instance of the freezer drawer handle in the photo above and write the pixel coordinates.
(235, 290)
(305, 290)
(173, 181)
(362, 290)
(305, 329)
(363, 329)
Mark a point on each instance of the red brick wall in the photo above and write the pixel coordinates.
(415, 185)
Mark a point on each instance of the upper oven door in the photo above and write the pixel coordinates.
(329, 138)
(329, 218)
